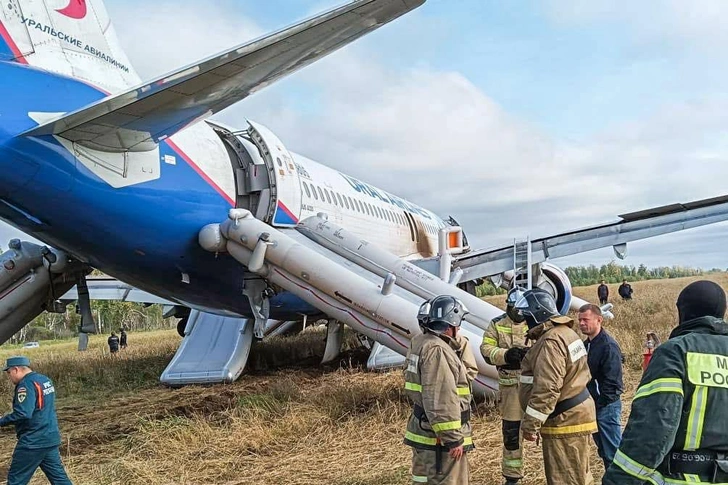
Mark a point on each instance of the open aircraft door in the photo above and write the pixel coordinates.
(286, 189)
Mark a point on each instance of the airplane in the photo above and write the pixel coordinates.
(133, 178)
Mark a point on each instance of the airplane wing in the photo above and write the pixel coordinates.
(112, 289)
(631, 227)
(137, 119)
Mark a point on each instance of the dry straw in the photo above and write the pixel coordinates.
(294, 425)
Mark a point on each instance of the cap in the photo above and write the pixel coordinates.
(17, 361)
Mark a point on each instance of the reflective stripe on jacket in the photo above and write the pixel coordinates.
(501, 335)
(555, 369)
(438, 381)
(680, 404)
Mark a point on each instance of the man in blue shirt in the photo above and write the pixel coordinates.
(605, 364)
(36, 425)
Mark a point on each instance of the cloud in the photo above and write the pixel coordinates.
(173, 34)
(431, 135)
(699, 22)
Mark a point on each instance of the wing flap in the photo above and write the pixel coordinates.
(137, 119)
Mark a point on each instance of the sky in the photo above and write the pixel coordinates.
(517, 118)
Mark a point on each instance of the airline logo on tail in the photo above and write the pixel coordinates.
(76, 9)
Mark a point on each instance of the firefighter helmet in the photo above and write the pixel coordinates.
(441, 312)
(537, 306)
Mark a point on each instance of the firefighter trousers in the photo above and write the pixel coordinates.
(566, 460)
(511, 414)
(427, 468)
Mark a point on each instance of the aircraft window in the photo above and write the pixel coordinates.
(367, 207)
(376, 212)
(346, 201)
(313, 189)
(308, 192)
(327, 195)
(321, 193)
(341, 202)
(381, 213)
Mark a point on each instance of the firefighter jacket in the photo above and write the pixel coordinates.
(681, 405)
(554, 375)
(438, 383)
(503, 334)
(34, 413)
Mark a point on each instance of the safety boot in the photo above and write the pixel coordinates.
(512, 481)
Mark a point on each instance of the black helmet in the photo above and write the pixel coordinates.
(537, 306)
(441, 312)
(514, 294)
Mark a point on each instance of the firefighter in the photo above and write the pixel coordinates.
(678, 427)
(36, 425)
(504, 347)
(438, 377)
(556, 404)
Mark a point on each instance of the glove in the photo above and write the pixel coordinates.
(514, 356)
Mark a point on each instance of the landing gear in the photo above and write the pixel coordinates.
(181, 325)
(259, 293)
(87, 320)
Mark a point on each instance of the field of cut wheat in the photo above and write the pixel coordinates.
(285, 421)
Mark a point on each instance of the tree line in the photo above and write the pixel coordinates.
(611, 273)
(110, 316)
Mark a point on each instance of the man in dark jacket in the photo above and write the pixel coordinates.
(603, 293)
(678, 428)
(122, 339)
(113, 343)
(625, 290)
(605, 364)
(36, 425)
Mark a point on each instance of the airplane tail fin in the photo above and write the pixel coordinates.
(74, 38)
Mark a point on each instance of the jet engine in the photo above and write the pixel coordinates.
(32, 278)
(548, 277)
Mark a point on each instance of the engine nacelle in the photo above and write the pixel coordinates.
(31, 278)
(549, 277)
(554, 280)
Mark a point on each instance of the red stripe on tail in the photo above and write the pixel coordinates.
(5, 35)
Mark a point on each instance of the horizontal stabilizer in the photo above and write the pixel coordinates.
(137, 119)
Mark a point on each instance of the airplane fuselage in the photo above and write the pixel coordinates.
(136, 216)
